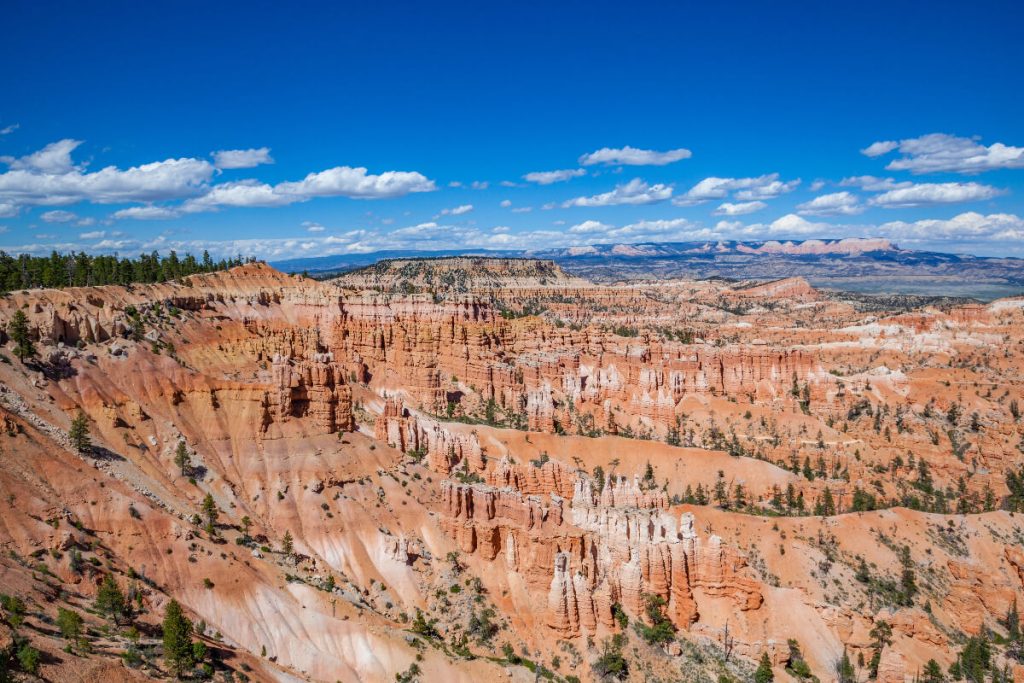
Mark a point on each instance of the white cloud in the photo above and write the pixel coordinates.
(345, 181)
(457, 211)
(631, 156)
(505, 203)
(872, 184)
(313, 227)
(522, 209)
(59, 216)
(816, 185)
(342, 181)
(242, 158)
(941, 152)
(924, 194)
(834, 204)
(877, 149)
(966, 226)
(238, 194)
(55, 158)
(7, 130)
(747, 189)
(587, 227)
(48, 177)
(95, 235)
(635, 191)
(731, 209)
(768, 190)
(791, 224)
(479, 185)
(146, 213)
(549, 177)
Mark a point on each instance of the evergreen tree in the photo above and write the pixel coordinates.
(881, 635)
(932, 673)
(79, 433)
(110, 601)
(178, 652)
(18, 329)
(81, 269)
(182, 459)
(210, 512)
(70, 624)
(287, 544)
(764, 672)
(844, 669)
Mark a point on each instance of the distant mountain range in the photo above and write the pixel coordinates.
(858, 264)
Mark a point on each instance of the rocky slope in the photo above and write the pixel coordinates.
(528, 458)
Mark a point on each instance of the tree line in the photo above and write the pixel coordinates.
(85, 270)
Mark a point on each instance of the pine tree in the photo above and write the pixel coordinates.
(287, 544)
(881, 635)
(18, 329)
(110, 600)
(210, 512)
(1015, 643)
(844, 669)
(932, 673)
(764, 670)
(70, 624)
(182, 459)
(177, 640)
(79, 433)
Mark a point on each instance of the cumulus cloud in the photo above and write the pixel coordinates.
(59, 216)
(834, 204)
(54, 158)
(312, 226)
(631, 156)
(794, 225)
(924, 194)
(942, 152)
(872, 184)
(146, 213)
(345, 181)
(877, 149)
(457, 211)
(505, 203)
(95, 235)
(635, 191)
(48, 177)
(342, 181)
(590, 227)
(964, 227)
(242, 158)
(746, 189)
(549, 177)
(7, 130)
(738, 209)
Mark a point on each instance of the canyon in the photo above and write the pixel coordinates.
(494, 467)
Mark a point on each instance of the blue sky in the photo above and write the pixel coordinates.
(323, 129)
